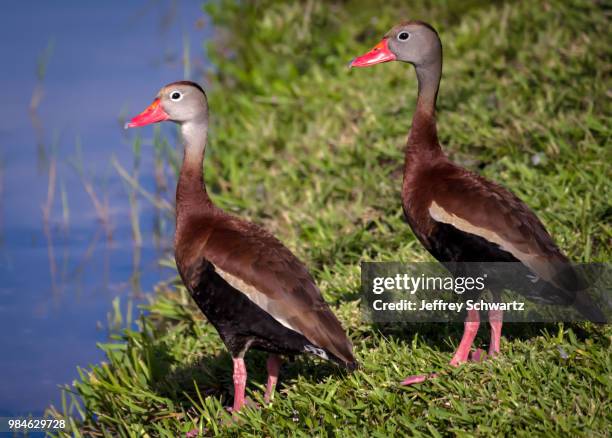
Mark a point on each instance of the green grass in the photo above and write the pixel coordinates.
(313, 152)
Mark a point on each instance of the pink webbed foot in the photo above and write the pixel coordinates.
(478, 355)
(234, 417)
(462, 354)
(419, 378)
(248, 403)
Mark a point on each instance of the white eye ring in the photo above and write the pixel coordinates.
(403, 34)
(176, 96)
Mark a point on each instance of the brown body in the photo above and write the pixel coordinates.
(254, 291)
(430, 178)
(459, 216)
(242, 251)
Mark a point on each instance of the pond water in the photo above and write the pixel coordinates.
(69, 69)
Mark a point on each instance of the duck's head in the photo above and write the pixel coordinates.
(178, 102)
(414, 42)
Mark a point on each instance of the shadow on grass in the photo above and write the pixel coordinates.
(212, 375)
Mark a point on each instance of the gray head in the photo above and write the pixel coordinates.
(180, 102)
(415, 42)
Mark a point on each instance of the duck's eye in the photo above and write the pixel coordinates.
(176, 96)
(403, 36)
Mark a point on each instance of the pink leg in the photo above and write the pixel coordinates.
(469, 333)
(240, 378)
(461, 355)
(273, 366)
(496, 318)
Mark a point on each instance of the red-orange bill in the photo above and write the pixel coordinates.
(378, 54)
(153, 114)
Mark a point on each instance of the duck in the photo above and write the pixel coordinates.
(255, 292)
(462, 217)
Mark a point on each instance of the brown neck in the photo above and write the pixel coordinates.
(423, 142)
(191, 192)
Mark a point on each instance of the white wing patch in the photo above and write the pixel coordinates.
(316, 351)
(255, 296)
(534, 262)
(533, 278)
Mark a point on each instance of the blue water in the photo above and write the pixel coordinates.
(58, 281)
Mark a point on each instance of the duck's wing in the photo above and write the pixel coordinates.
(478, 206)
(257, 264)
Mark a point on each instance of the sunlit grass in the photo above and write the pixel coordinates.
(314, 152)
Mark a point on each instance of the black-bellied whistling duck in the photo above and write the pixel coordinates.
(459, 216)
(251, 288)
